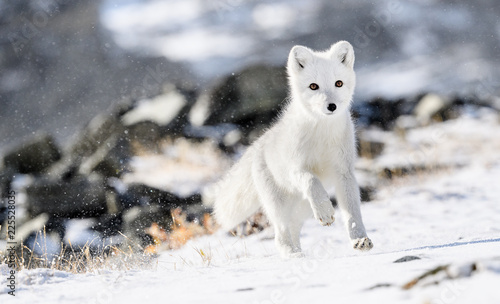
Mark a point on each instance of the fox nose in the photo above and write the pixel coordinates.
(331, 107)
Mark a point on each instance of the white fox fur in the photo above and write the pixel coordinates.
(311, 146)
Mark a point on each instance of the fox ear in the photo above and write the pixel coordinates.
(343, 52)
(299, 57)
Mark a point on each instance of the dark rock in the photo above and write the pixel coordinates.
(369, 147)
(366, 193)
(407, 258)
(6, 177)
(137, 219)
(250, 98)
(140, 195)
(146, 134)
(382, 113)
(395, 172)
(78, 198)
(104, 131)
(97, 131)
(56, 225)
(109, 224)
(34, 155)
(167, 111)
(227, 136)
(142, 206)
(409, 169)
(110, 159)
(3, 214)
(380, 285)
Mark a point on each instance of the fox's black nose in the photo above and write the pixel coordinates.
(331, 107)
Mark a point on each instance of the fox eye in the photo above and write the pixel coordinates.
(313, 86)
(339, 83)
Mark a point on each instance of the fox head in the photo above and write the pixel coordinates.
(323, 82)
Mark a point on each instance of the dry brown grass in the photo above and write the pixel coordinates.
(128, 256)
(84, 259)
(181, 231)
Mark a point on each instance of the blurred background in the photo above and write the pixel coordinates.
(118, 105)
(62, 62)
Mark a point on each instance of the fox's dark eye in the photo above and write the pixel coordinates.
(313, 86)
(339, 83)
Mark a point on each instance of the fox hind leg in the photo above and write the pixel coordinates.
(301, 211)
(274, 203)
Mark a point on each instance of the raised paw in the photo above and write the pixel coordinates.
(324, 213)
(363, 244)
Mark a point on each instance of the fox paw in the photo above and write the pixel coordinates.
(287, 254)
(324, 213)
(297, 255)
(363, 244)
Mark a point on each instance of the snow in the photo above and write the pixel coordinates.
(470, 75)
(162, 109)
(175, 12)
(449, 144)
(79, 234)
(274, 18)
(179, 23)
(449, 217)
(183, 168)
(204, 44)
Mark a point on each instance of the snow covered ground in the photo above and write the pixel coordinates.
(448, 219)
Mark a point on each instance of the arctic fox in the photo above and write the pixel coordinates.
(311, 146)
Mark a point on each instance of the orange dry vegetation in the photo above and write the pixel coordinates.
(181, 231)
